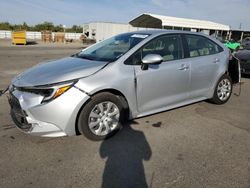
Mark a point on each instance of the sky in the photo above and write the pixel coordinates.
(78, 12)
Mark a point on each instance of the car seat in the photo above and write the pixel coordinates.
(169, 53)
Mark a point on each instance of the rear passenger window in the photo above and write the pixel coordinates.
(169, 47)
(201, 46)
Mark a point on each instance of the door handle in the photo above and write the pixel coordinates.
(216, 60)
(184, 67)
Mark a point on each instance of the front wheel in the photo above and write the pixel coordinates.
(223, 90)
(101, 116)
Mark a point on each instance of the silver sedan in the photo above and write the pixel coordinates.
(127, 76)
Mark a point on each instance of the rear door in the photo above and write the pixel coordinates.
(204, 57)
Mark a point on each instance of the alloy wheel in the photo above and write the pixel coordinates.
(224, 89)
(104, 118)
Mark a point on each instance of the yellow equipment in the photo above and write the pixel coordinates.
(19, 37)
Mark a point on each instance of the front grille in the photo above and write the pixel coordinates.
(17, 114)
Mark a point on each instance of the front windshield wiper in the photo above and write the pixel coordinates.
(84, 57)
(89, 57)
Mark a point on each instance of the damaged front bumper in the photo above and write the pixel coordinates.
(53, 119)
(29, 124)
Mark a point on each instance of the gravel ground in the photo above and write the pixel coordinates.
(199, 145)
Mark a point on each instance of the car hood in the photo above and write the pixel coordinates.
(61, 70)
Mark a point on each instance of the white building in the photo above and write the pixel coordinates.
(167, 22)
(103, 30)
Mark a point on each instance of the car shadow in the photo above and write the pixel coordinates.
(28, 43)
(31, 43)
(125, 154)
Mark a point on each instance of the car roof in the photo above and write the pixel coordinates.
(157, 32)
(164, 31)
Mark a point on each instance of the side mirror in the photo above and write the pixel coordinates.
(151, 59)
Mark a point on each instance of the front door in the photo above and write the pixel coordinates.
(165, 84)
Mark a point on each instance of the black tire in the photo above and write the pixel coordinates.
(83, 119)
(216, 99)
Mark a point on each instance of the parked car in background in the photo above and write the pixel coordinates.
(232, 45)
(246, 43)
(244, 57)
(127, 76)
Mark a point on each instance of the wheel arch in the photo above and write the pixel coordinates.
(108, 90)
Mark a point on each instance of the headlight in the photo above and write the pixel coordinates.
(49, 92)
(57, 91)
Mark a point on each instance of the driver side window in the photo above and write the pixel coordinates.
(168, 46)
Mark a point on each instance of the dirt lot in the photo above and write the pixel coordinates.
(200, 145)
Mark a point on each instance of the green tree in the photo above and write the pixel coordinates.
(6, 26)
(44, 26)
(40, 27)
(75, 29)
(58, 28)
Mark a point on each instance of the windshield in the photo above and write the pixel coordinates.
(113, 48)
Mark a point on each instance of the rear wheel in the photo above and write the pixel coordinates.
(101, 116)
(223, 90)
